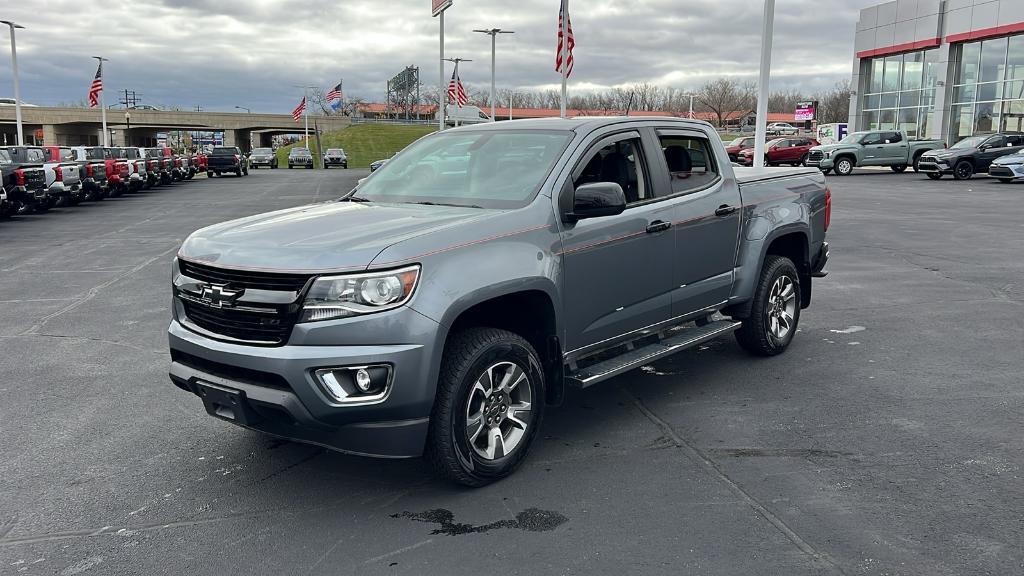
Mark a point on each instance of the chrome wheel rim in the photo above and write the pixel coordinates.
(498, 411)
(781, 307)
(844, 166)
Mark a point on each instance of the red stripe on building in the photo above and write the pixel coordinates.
(898, 48)
(986, 33)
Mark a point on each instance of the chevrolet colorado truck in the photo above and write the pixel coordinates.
(226, 159)
(871, 148)
(970, 155)
(437, 312)
(24, 184)
(63, 176)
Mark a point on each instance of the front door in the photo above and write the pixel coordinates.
(894, 149)
(707, 220)
(618, 269)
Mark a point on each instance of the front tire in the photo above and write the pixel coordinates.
(899, 168)
(489, 405)
(934, 175)
(963, 170)
(844, 167)
(775, 313)
(1006, 180)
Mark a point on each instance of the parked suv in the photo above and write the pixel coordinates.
(871, 148)
(970, 155)
(335, 157)
(738, 145)
(792, 151)
(300, 157)
(263, 157)
(439, 312)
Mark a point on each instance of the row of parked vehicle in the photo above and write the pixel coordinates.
(38, 178)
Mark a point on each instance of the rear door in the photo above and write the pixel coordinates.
(706, 220)
(995, 147)
(618, 270)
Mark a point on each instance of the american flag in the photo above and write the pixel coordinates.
(96, 88)
(334, 94)
(299, 110)
(456, 91)
(572, 42)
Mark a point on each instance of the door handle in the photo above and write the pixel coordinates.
(658, 226)
(725, 210)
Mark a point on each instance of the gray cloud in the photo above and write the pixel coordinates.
(222, 53)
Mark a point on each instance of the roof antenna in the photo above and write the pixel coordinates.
(629, 106)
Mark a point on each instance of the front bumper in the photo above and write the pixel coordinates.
(824, 163)
(1007, 171)
(261, 161)
(278, 394)
(59, 190)
(336, 161)
(934, 166)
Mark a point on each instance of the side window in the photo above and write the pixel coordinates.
(35, 155)
(1014, 140)
(690, 162)
(620, 162)
(872, 139)
(996, 142)
(893, 138)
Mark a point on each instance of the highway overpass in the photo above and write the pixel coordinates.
(82, 126)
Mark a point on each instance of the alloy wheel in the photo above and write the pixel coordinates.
(498, 410)
(781, 307)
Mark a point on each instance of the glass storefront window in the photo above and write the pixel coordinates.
(887, 120)
(893, 71)
(876, 75)
(888, 100)
(962, 121)
(970, 57)
(926, 121)
(871, 120)
(1013, 90)
(988, 92)
(913, 66)
(1015, 59)
(931, 68)
(986, 118)
(910, 99)
(908, 118)
(1012, 118)
(993, 60)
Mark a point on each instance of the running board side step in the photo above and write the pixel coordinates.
(638, 357)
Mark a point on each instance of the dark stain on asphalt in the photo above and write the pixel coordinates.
(778, 452)
(529, 520)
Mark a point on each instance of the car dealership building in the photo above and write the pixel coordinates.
(943, 69)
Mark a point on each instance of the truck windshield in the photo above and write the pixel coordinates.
(224, 152)
(5, 157)
(94, 154)
(300, 152)
(485, 169)
(262, 151)
(972, 142)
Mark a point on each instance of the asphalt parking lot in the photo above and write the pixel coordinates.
(886, 441)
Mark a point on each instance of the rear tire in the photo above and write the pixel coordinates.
(963, 170)
(209, 173)
(485, 374)
(775, 313)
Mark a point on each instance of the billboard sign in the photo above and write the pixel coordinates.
(438, 6)
(805, 111)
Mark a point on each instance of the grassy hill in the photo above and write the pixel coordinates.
(364, 143)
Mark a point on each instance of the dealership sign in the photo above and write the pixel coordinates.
(438, 6)
(806, 111)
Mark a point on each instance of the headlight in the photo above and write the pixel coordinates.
(828, 153)
(333, 297)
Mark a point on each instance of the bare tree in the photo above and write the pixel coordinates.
(785, 101)
(725, 96)
(834, 105)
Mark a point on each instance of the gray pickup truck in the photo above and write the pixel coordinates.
(439, 306)
(871, 148)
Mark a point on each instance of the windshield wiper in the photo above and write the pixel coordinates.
(447, 204)
(354, 198)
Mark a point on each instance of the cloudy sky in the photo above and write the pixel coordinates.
(223, 53)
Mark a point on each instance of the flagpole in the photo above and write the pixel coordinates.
(305, 112)
(565, 52)
(458, 81)
(103, 105)
(440, 84)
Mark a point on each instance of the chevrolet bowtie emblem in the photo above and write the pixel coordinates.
(219, 296)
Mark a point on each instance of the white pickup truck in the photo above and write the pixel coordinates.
(63, 181)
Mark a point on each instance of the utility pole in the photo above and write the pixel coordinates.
(493, 33)
(14, 73)
(103, 104)
(458, 81)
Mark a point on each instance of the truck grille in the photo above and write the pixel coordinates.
(815, 156)
(256, 318)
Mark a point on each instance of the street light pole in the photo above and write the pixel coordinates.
(128, 129)
(768, 27)
(493, 33)
(247, 111)
(103, 105)
(14, 72)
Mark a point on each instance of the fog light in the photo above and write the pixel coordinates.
(355, 384)
(363, 380)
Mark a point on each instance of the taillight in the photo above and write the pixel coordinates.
(236, 158)
(828, 208)
(19, 174)
(88, 170)
(59, 172)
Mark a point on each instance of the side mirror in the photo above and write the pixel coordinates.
(595, 200)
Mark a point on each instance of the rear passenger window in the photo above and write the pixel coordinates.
(690, 162)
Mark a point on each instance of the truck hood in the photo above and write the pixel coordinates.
(321, 237)
(833, 147)
(944, 153)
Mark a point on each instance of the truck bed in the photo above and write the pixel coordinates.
(747, 174)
